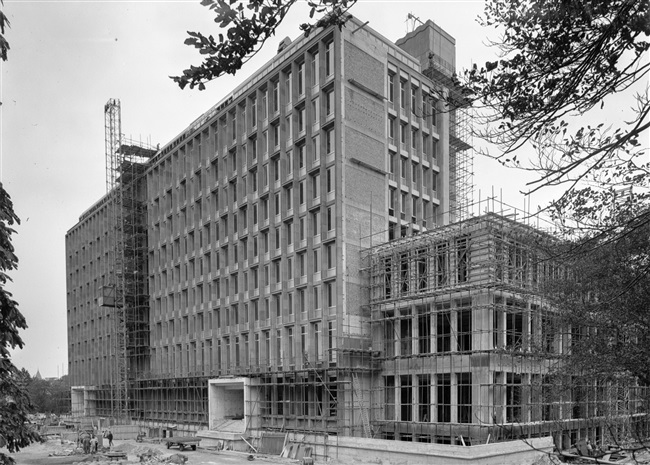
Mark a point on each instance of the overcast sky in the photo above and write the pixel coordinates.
(68, 58)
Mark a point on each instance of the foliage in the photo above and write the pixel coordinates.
(50, 395)
(560, 61)
(14, 400)
(4, 23)
(605, 301)
(249, 25)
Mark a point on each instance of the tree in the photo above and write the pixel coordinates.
(4, 45)
(250, 24)
(50, 396)
(606, 297)
(14, 400)
(562, 60)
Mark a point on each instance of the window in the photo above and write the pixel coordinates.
(276, 270)
(413, 99)
(315, 222)
(301, 303)
(316, 261)
(330, 179)
(302, 268)
(288, 87)
(253, 113)
(276, 207)
(265, 176)
(391, 87)
(289, 197)
(276, 169)
(315, 149)
(289, 232)
(330, 218)
(289, 268)
(414, 209)
(265, 208)
(329, 103)
(301, 192)
(330, 252)
(289, 127)
(329, 294)
(329, 59)
(301, 156)
(315, 69)
(276, 135)
(233, 126)
(289, 162)
(425, 146)
(301, 119)
(265, 241)
(301, 78)
(315, 184)
(391, 130)
(329, 142)
(392, 199)
(275, 89)
(302, 228)
(316, 295)
(315, 110)
(265, 105)
(278, 237)
(443, 331)
(402, 94)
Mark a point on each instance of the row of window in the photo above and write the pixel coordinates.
(289, 345)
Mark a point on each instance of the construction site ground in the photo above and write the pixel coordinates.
(59, 452)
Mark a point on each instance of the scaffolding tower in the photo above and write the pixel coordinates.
(461, 154)
(125, 289)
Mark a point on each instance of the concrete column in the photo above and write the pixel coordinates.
(482, 321)
(499, 397)
(454, 396)
(453, 325)
(481, 395)
(415, 397)
(434, 399)
(501, 329)
(526, 327)
(526, 398)
(415, 332)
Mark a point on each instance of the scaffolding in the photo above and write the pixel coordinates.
(125, 289)
(461, 154)
(468, 346)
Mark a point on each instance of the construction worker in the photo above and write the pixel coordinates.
(86, 444)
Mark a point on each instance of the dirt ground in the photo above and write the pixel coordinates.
(53, 452)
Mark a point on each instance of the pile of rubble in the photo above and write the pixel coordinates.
(64, 448)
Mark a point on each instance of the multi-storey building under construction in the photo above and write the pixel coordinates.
(301, 259)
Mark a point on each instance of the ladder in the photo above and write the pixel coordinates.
(307, 364)
(356, 386)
